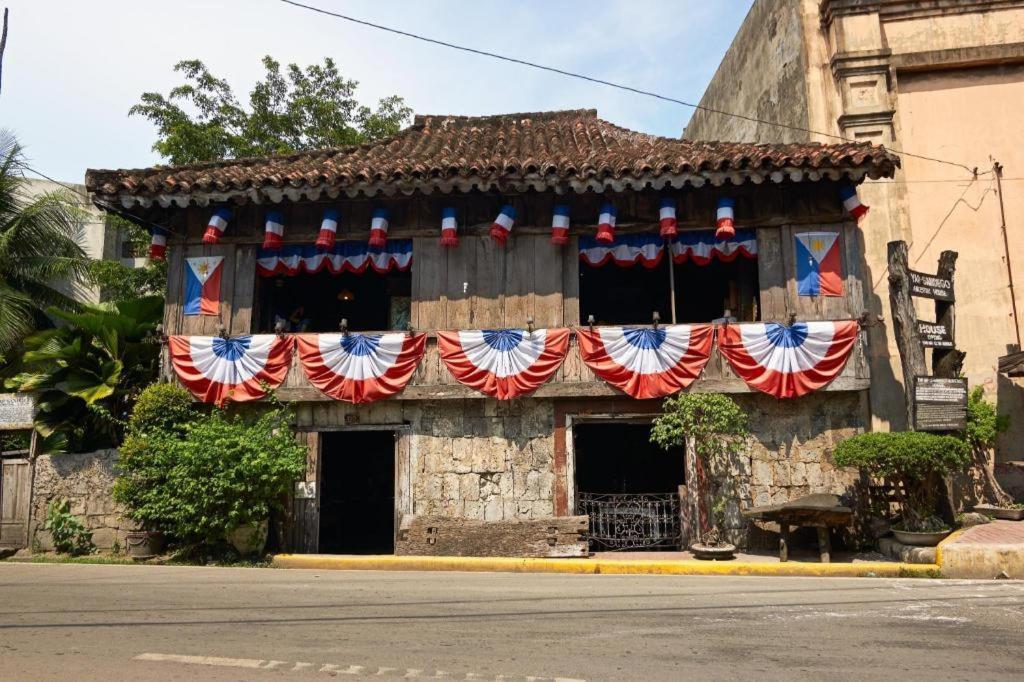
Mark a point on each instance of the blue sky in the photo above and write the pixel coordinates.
(72, 69)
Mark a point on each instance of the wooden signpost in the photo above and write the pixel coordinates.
(936, 399)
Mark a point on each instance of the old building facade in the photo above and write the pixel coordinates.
(442, 449)
(942, 79)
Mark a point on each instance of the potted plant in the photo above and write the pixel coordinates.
(913, 464)
(712, 428)
(983, 428)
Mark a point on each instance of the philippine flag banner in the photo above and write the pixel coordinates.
(647, 363)
(215, 369)
(788, 362)
(503, 363)
(360, 368)
(817, 264)
(202, 285)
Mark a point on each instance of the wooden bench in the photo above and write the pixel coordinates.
(821, 511)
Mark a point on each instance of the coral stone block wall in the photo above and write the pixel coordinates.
(481, 459)
(85, 480)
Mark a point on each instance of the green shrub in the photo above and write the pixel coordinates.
(162, 408)
(67, 532)
(983, 423)
(913, 462)
(218, 473)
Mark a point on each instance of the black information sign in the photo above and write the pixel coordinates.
(934, 335)
(930, 286)
(940, 404)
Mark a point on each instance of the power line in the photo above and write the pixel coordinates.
(600, 81)
(117, 210)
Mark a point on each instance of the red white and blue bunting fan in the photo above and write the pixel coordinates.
(273, 230)
(218, 223)
(502, 225)
(328, 229)
(667, 218)
(360, 368)
(851, 202)
(379, 229)
(216, 369)
(346, 256)
(449, 228)
(788, 362)
(701, 248)
(725, 225)
(503, 363)
(606, 224)
(157, 243)
(647, 363)
(560, 225)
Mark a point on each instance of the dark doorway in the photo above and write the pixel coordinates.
(627, 486)
(357, 493)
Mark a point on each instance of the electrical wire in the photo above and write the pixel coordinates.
(600, 81)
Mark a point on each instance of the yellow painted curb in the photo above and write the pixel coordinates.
(949, 538)
(596, 566)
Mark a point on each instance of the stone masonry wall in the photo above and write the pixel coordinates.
(481, 459)
(790, 453)
(85, 480)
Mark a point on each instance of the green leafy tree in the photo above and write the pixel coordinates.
(982, 430)
(714, 427)
(89, 371)
(38, 247)
(119, 282)
(311, 108)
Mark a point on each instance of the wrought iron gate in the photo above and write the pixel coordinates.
(631, 521)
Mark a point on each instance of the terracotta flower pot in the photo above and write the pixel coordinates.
(144, 544)
(250, 538)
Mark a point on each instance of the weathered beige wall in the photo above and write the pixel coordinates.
(954, 30)
(966, 114)
(762, 75)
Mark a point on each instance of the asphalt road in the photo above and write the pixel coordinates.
(139, 622)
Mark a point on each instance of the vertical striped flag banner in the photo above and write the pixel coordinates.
(449, 227)
(157, 243)
(218, 223)
(379, 229)
(273, 230)
(851, 202)
(606, 224)
(667, 218)
(328, 229)
(560, 225)
(502, 225)
(725, 225)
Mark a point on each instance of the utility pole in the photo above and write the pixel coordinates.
(998, 169)
(3, 44)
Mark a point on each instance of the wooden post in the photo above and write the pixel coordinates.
(904, 323)
(671, 280)
(947, 362)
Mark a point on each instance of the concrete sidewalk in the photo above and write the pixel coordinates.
(991, 550)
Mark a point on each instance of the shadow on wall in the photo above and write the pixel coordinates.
(888, 402)
(1010, 401)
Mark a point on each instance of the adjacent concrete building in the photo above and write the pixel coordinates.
(940, 78)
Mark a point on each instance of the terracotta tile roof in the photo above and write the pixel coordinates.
(566, 149)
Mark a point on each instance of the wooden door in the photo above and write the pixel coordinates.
(15, 488)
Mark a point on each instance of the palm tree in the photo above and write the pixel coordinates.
(38, 248)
